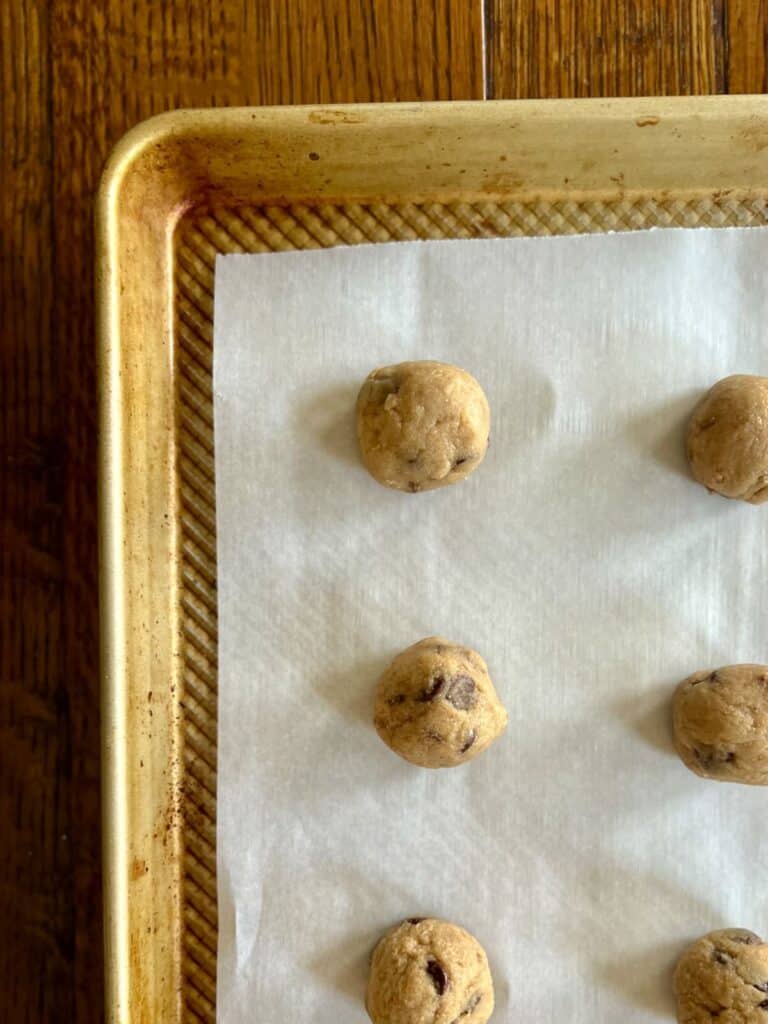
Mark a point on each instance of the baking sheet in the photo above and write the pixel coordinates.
(580, 560)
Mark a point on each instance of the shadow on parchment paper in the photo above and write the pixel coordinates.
(351, 691)
(644, 977)
(660, 432)
(502, 991)
(523, 412)
(344, 966)
(649, 715)
(523, 405)
(328, 419)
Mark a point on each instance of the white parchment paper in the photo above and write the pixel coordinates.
(580, 560)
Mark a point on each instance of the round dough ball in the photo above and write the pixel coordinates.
(720, 722)
(422, 425)
(727, 440)
(426, 971)
(723, 977)
(436, 705)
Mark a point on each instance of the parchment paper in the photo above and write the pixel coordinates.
(580, 560)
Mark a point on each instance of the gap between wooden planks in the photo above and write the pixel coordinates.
(74, 76)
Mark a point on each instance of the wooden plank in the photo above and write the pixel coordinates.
(747, 45)
(556, 48)
(347, 51)
(35, 779)
(75, 75)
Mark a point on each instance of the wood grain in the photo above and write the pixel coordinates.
(746, 40)
(36, 905)
(355, 50)
(545, 48)
(75, 76)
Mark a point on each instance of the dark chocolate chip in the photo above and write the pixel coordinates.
(433, 691)
(413, 487)
(713, 759)
(461, 692)
(437, 973)
(416, 920)
(399, 698)
(762, 987)
(763, 1005)
(471, 1006)
(468, 742)
(720, 957)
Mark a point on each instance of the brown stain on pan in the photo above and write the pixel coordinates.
(138, 869)
(335, 117)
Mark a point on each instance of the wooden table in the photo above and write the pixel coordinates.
(75, 75)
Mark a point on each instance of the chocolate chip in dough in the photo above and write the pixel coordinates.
(460, 691)
(437, 974)
(436, 705)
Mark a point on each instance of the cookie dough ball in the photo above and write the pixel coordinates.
(422, 425)
(427, 971)
(720, 722)
(727, 440)
(723, 976)
(436, 705)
